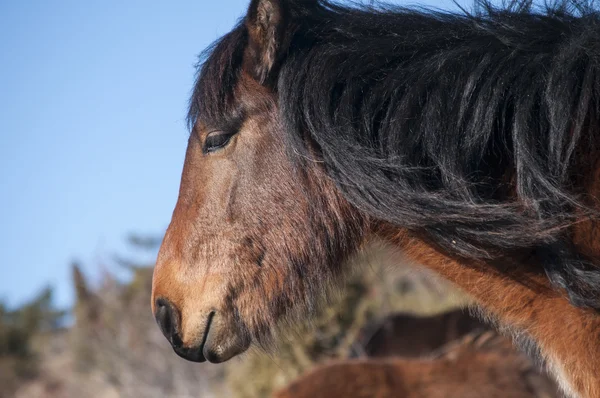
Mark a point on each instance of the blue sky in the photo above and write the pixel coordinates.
(93, 99)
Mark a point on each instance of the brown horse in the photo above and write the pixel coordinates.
(468, 142)
(408, 335)
(475, 367)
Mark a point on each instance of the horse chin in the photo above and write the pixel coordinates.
(222, 344)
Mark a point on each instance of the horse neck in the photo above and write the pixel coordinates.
(525, 304)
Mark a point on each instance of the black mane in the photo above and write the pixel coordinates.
(468, 129)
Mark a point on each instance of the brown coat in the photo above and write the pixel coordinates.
(479, 365)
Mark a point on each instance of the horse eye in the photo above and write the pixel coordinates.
(216, 140)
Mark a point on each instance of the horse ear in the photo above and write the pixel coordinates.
(265, 22)
(270, 26)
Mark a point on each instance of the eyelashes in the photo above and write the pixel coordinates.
(216, 140)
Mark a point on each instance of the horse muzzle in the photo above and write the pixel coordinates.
(217, 342)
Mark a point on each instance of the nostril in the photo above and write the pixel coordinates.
(163, 318)
(167, 318)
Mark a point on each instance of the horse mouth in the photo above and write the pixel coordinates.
(195, 354)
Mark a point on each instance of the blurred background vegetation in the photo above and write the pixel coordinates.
(108, 345)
